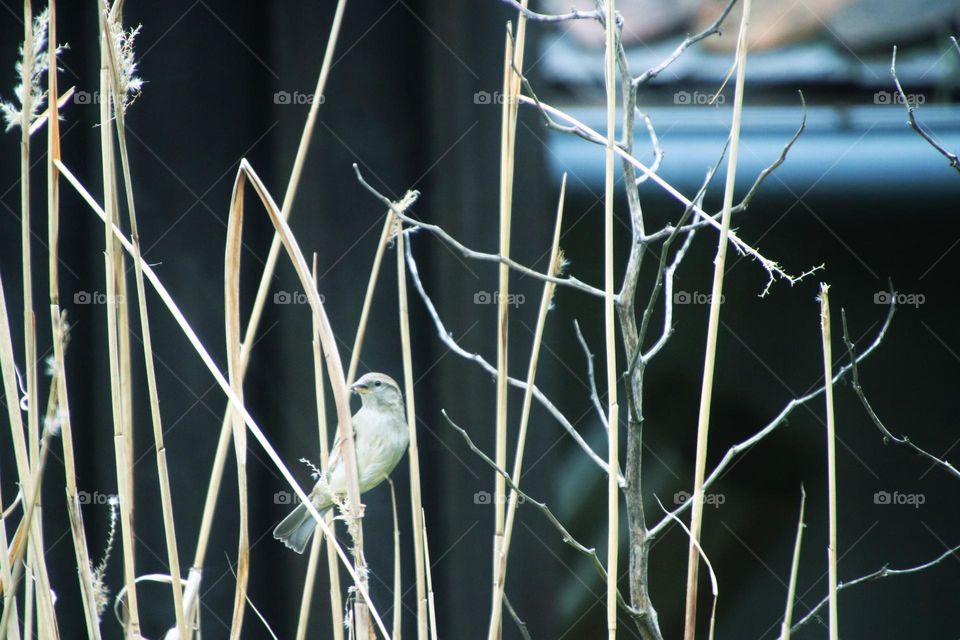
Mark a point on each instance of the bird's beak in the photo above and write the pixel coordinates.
(359, 387)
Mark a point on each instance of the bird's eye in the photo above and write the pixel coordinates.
(377, 383)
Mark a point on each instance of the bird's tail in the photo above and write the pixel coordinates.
(296, 529)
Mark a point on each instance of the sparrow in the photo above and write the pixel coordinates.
(381, 438)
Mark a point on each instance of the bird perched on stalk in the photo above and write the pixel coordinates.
(381, 437)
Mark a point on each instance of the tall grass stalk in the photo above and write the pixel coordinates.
(507, 122)
(609, 317)
(118, 93)
(336, 605)
(709, 360)
(231, 297)
(794, 571)
(413, 453)
(192, 590)
(195, 342)
(834, 619)
(545, 302)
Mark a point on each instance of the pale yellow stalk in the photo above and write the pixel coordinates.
(709, 361)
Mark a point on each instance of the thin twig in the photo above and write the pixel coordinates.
(521, 625)
(561, 17)
(882, 572)
(689, 41)
(949, 155)
(779, 420)
(565, 535)
(902, 441)
(455, 347)
(774, 270)
(466, 252)
(591, 375)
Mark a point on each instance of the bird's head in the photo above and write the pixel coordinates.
(378, 390)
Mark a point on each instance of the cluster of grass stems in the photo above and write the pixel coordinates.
(28, 606)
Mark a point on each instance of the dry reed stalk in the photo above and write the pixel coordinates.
(336, 605)
(231, 293)
(29, 328)
(77, 531)
(609, 316)
(834, 620)
(426, 555)
(207, 359)
(192, 590)
(385, 236)
(413, 452)
(503, 309)
(397, 578)
(166, 501)
(353, 510)
(553, 269)
(115, 327)
(794, 571)
(706, 391)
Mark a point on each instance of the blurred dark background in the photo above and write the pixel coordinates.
(412, 98)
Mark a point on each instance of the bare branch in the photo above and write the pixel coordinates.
(561, 17)
(780, 419)
(883, 572)
(455, 347)
(744, 204)
(591, 376)
(653, 72)
(467, 252)
(773, 269)
(655, 143)
(949, 155)
(568, 539)
(902, 441)
(521, 625)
